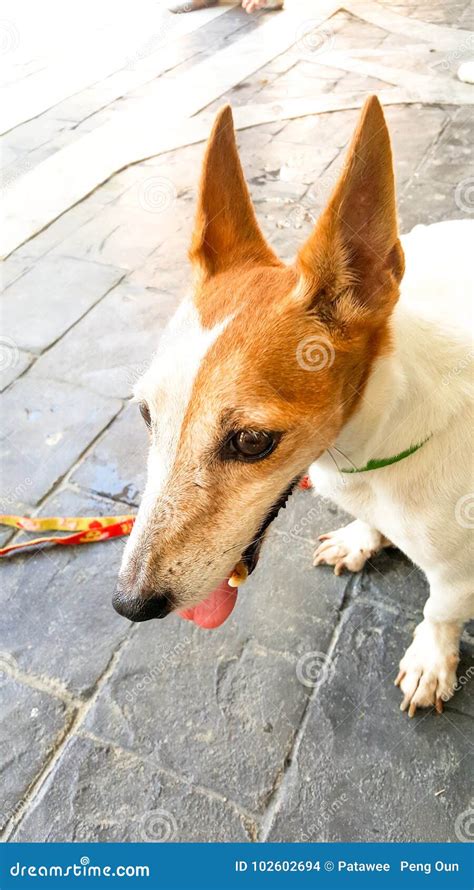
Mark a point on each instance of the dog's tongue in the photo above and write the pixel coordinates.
(214, 610)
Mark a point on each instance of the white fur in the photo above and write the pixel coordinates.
(424, 389)
(166, 387)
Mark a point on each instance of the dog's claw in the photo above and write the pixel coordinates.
(348, 548)
(427, 675)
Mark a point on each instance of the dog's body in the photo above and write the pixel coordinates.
(421, 392)
(238, 408)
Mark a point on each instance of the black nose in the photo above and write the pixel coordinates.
(141, 607)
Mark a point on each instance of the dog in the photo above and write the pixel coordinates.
(331, 363)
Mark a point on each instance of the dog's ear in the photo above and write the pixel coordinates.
(226, 232)
(354, 246)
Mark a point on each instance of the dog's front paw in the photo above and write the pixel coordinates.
(349, 547)
(427, 673)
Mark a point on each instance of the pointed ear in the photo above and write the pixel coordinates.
(355, 242)
(226, 232)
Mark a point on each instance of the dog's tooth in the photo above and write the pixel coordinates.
(239, 575)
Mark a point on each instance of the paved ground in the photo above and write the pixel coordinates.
(284, 724)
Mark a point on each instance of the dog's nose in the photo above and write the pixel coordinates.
(141, 607)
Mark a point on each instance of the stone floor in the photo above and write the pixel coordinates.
(283, 724)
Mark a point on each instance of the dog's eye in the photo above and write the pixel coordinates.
(145, 412)
(251, 445)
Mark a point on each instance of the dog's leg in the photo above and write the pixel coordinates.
(428, 669)
(349, 547)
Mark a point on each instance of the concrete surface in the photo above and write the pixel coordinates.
(284, 724)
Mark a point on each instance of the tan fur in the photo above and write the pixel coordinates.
(340, 292)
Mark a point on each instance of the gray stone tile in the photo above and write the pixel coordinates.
(41, 305)
(60, 229)
(425, 200)
(364, 771)
(392, 580)
(13, 362)
(58, 618)
(124, 327)
(287, 604)
(98, 793)
(208, 706)
(117, 235)
(116, 466)
(32, 722)
(413, 131)
(12, 268)
(167, 268)
(46, 427)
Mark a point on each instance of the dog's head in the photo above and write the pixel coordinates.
(256, 374)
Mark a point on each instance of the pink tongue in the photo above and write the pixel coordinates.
(214, 610)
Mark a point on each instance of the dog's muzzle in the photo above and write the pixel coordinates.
(141, 607)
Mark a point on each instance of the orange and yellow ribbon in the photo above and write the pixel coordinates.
(86, 529)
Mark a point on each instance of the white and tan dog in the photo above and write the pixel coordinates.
(268, 369)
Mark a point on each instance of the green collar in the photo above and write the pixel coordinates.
(386, 461)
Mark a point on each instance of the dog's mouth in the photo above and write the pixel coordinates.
(218, 605)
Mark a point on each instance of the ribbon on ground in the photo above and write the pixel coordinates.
(86, 529)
